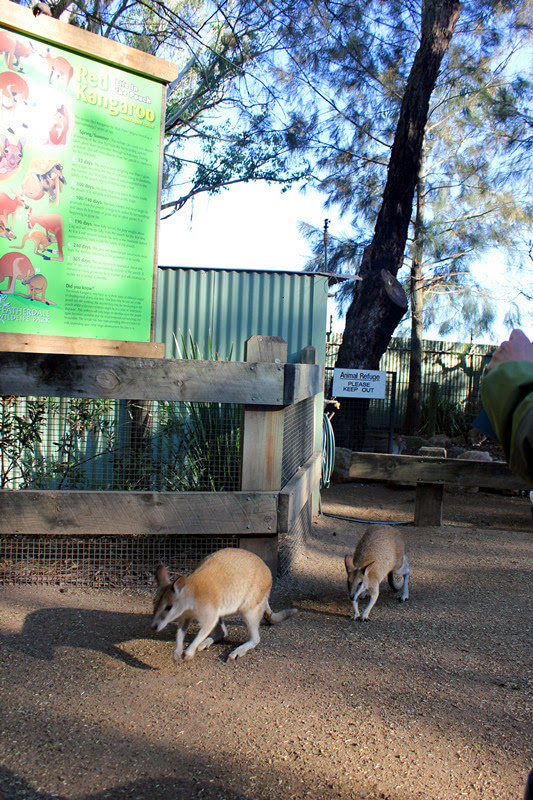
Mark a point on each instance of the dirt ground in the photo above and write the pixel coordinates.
(430, 699)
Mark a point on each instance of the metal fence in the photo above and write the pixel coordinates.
(72, 443)
(298, 447)
(456, 368)
(298, 437)
(101, 561)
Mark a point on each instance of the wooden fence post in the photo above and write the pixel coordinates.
(262, 444)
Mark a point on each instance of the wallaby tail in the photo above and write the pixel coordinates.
(278, 616)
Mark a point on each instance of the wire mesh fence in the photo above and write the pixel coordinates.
(457, 368)
(375, 419)
(101, 561)
(293, 542)
(298, 437)
(70, 443)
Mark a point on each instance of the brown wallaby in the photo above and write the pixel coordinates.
(226, 582)
(379, 554)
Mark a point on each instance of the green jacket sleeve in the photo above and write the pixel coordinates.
(507, 396)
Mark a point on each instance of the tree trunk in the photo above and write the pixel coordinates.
(414, 391)
(379, 301)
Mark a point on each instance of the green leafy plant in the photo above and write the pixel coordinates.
(446, 417)
(19, 436)
(205, 437)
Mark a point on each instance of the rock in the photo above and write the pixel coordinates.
(440, 440)
(413, 443)
(455, 451)
(475, 455)
(436, 452)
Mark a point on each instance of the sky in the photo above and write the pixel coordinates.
(255, 226)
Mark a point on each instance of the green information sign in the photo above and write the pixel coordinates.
(80, 145)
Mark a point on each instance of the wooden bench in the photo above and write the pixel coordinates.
(430, 475)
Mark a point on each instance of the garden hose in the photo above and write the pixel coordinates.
(328, 451)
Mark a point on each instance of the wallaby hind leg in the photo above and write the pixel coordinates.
(252, 617)
(218, 633)
(405, 571)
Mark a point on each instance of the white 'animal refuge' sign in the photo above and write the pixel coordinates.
(368, 383)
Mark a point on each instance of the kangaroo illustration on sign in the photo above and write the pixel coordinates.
(43, 177)
(53, 225)
(10, 156)
(9, 206)
(13, 49)
(59, 67)
(57, 134)
(36, 283)
(41, 241)
(6, 232)
(15, 267)
(13, 90)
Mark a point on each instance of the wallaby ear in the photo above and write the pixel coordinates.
(348, 563)
(162, 575)
(367, 567)
(178, 584)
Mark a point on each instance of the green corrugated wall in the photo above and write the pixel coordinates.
(232, 305)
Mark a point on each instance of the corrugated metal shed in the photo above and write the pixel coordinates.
(229, 306)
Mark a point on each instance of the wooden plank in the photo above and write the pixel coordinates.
(296, 492)
(302, 381)
(266, 348)
(428, 503)
(308, 355)
(262, 438)
(61, 34)
(71, 345)
(48, 375)
(453, 471)
(88, 513)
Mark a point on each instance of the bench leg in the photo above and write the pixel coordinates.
(428, 503)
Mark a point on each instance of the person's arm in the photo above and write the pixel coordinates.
(507, 396)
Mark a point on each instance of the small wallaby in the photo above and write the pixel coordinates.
(226, 582)
(379, 554)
